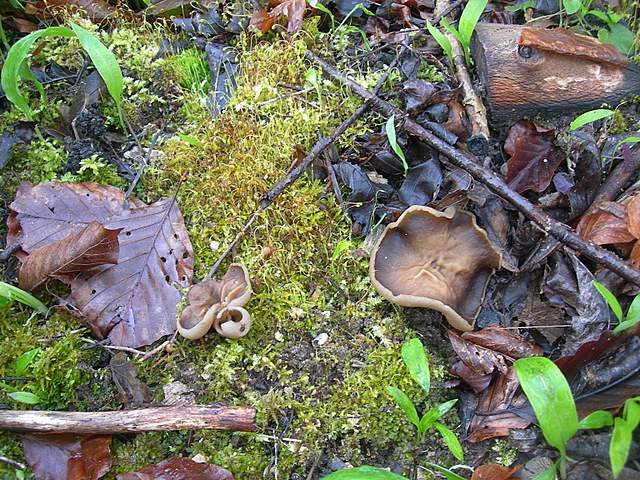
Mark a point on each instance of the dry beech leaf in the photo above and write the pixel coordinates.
(292, 9)
(134, 302)
(503, 341)
(633, 216)
(534, 158)
(67, 456)
(478, 359)
(261, 20)
(604, 228)
(179, 469)
(91, 247)
(94, 9)
(495, 472)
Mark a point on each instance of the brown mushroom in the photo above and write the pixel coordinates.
(437, 260)
(216, 303)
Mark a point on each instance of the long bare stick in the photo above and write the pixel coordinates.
(157, 419)
(494, 183)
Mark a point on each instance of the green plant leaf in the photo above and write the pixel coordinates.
(450, 440)
(104, 61)
(317, 5)
(619, 36)
(405, 404)
(435, 413)
(11, 293)
(18, 54)
(24, 397)
(188, 139)
(600, 15)
(627, 140)
(363, 473)
(390, 129)
(571, 6)
(632, 318)
(442, 40)
(590, 117)
(620, 444)
(341, 247)
(469, 18)
(597, 419)
(417, 363)
(24, 360)
(632, 412)
(448, 474)
(550, 396)
(610, 298)
(548, 474)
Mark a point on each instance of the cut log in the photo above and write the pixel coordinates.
(526, 71)
(239, 419)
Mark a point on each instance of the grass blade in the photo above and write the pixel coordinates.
(363, 473)
(18, 54)
(590, 117)
(610, 298)
(597, 419)
(550, 396)
(11, 293)
(405, 404)
(448, 474)
(441, 39)
(390, 129)
(104, 61)
(24, 397)
(469, 18)
(620, 445)
(416, 361)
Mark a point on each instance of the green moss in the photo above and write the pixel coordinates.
(431, 73)
(618, 123)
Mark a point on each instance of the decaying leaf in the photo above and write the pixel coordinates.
(292, 9)
(179, 469)
(604, 228)
(67, 456)
(534, 158)
(96, 10)
(125, 376)
(134, 302)
(79, 252)
(495, 472)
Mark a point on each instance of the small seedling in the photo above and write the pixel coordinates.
(390, 129)
(415, 359)
(442, 40)
(9, 294)
(363, 473)
(631, 319)
(552, 401)
(590, 117)
(23, 362)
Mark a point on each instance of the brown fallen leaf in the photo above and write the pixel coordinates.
(125, 377)
(67, 456)
(179, 469)
(479, 359)
(495, 472)
(134, 302)
(604, 228)
(97, 10)
(534, 158)
(292, 9)
(503, 341)
(478, 381)
(261, 20)
(79, 252)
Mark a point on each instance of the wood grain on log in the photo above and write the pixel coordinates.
(523, 75)
(240, 419)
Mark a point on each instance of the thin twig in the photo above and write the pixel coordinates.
(13, 463)
(15, 379)
(268, 198)
(494, 183)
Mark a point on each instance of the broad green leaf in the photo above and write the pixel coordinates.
(416, 361)
(11, 293)
(590, 117)
(435, 413)
(597, 419)
(342, 246)
(620, 445)
(632, 412)
(548, 474)
(627, 140)
(450, 440)
(445, 23)
(25, 360)
(448, 474)
(25, 397)
(13, 63)
(363, 473)
(405, 404)
(571, 6)
(619, 36)
(469, 18)
(600, 15)
(104, 61)
(610, 298)
(390, 129)
(441, 39)
(550, 396)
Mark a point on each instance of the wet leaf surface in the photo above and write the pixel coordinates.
(422, 183)
(178, 469)
(77, 253)
(534, 158)
(495, 472)
(68, 456)
(134, 302)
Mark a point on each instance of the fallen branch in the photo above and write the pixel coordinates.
(13, 463)
(478, 143)
(239, 419)
(489, 179)
(269, 197)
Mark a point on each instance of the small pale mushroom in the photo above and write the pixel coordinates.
(218, 303)
(437, 260)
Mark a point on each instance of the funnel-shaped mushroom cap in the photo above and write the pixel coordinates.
(233, 322)
(236, 286)
(438, 260)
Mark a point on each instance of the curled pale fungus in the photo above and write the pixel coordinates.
(218, 303)
(437, 260)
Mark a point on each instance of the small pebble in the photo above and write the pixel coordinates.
(320, 339)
